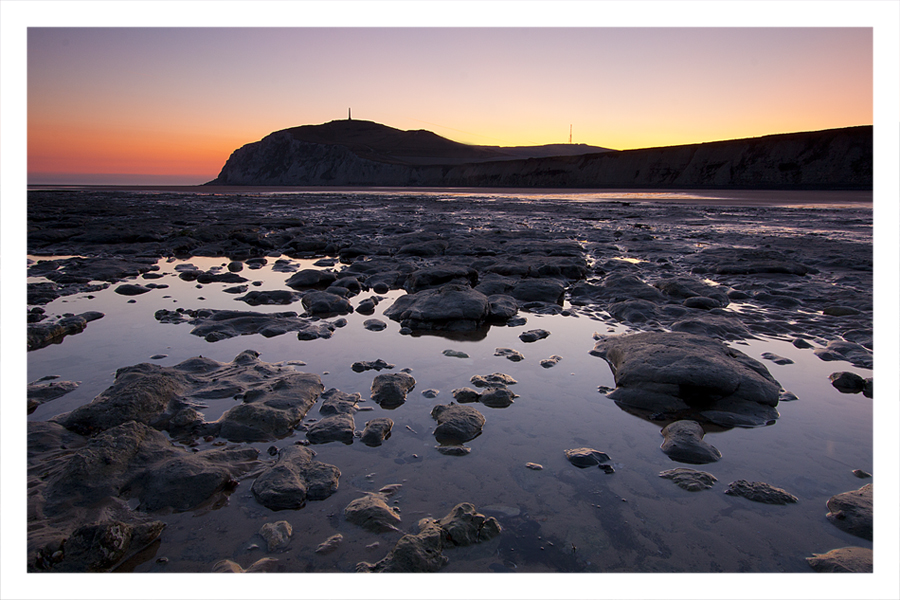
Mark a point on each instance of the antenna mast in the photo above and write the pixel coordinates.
(570, 133)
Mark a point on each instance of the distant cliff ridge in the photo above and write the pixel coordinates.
(362, 153)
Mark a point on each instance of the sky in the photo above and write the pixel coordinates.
(170, 104)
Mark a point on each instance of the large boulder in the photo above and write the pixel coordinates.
(683, 375)
(451, 307)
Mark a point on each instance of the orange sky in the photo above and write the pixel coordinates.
(175, 102)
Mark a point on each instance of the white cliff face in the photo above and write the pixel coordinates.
(840, 158)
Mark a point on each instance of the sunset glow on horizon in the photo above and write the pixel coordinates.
(169, 105)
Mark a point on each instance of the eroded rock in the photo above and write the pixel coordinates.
(852, 559)
(277, 535)
(390, 389)
(758, 491)
(689, 479)
(456, 423)
(684, 443)
(295, 478)
(373, 513)
(334, 428)
(376, 431)
(586, 457)
(852, 511)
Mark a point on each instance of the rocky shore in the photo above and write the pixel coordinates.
(685, 283)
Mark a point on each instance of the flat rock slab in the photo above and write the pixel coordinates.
(389, 390)
(684, 443)
(371, 365)
(456, 423)
(586, 457)
(855, 354)
(38, 392)
(295, 478)
(373, 513)
(41, 335)
(689, 479)
(682, 373)
(269, 297)
(852, 511)
(852, 559)
(214, 325)
(377, 431)
(758, 491)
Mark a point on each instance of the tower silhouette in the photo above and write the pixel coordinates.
(348, 115)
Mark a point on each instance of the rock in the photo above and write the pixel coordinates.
(325, 304)
(369, 365)
(684, 443)
(847, 383)
(134, 461)
(852, 511)
(453, 449)
(534, 466)
(215, 325)
(98, 547)
(855, 354)
(455, 354)
(551, 362)
(390, 389)
(210, 277)
(615, 287)
(263, 565)
(336, 402)
(498, 397)
(451, 307)
(778, 360)
(432, 277)
(310, 278)
(509, 353)
(714, 326)
(431, 393)
(38, 393)
(586, 457)
(861, 474)
(277, 535)
(852, 559)
(330, 545)
(268, 297)
(465, 395)
(492, 380)
(419, 553)
(464, 526)
(456, 423)
(41, 335)
(373, 513)
(131, 289)
(295, 478)
(745, 261)
(539, 290)
(687, 374)
(758, 491)
(502, 308)
(334, 428)
(533, 335)
(366, 306)
(689, 288)
(689, 479)
(374, 324)
(376, 431)
(422, 552)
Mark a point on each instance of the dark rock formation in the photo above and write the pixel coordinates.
(758, 491)
(390, 389)
(214, 325)
(294, 479)
(376, 431)
(334, 428)
(852, 511)
(41, 335)
(690, 376)
(684, 443)
(586, 457)
(852, 559)
(372, 512)
(38, 392)
(689, 479)
(456, 423)
(451, 307)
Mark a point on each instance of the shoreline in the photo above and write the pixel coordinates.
(737, 197)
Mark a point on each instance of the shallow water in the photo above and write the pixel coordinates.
(557, 519)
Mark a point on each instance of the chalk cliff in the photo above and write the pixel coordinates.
(362, 153)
